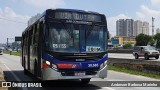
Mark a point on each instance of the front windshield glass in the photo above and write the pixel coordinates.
(95, 41)
(150, 48)
(75, 38)
(60, 40)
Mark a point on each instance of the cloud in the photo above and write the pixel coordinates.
(45, 3)
(112, 22)
(145, 13)
(155, 2)
(11, 24)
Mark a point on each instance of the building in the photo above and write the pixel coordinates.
(129, 27)
(123, 40)
(137, 27)
(124, 27)
(145, 28)
(120, 29)
(158, 30)
(140, 27)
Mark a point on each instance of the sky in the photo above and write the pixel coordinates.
(14, 14)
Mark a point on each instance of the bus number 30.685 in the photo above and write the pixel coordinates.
(92, 65)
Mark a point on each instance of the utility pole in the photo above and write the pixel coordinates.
(7, 43)
(153, 26)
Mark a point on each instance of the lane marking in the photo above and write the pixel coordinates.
(17, 79)
(14, 75)
(108, 88)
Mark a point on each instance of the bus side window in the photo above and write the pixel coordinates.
(30, 36)
(35, 35)
(25, 39)
(22, 41)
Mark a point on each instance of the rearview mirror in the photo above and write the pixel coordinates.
(108, 34)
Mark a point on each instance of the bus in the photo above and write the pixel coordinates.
(65, 44)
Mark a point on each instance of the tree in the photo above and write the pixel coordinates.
(127, 45)
(157, 36)
(157, 39)
(142, 39)
(152, 42)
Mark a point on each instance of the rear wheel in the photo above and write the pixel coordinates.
(85, 81)
(146, 56)
(157, 57)
(136, 56)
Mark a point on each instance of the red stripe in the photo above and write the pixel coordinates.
(64, 65)
(44, 65)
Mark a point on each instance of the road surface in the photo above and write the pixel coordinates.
(128, 56)
(13, 71)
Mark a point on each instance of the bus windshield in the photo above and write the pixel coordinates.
(64, 37)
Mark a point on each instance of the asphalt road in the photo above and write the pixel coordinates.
(13, 71)
(128, 56)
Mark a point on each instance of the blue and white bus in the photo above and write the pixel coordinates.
(66, 44)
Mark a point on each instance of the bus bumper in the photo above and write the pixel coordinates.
(50, 74)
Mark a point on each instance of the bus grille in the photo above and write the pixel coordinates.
(72, 72)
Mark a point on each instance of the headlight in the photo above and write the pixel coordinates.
(103, 64)
(48, 63)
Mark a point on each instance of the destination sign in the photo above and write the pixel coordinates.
(78, 16)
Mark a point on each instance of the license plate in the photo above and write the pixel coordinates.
(79, 73)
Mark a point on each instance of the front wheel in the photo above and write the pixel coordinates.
(35, 68)
(146, 56)
(25, 72)
(136, 56)
(157, 57)
(85, 81)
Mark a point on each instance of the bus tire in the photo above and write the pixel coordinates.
(25, 72)
(24, 65)
(85, 81)
(35, 68)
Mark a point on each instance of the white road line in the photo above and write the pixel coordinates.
(14, 75)
(17, 79)
(108, 88)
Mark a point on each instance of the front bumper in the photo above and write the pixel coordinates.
(50, 74)
(153, 55)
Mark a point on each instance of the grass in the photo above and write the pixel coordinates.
(135, 72)
(13, 53)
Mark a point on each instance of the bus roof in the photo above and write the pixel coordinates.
(76, 10)
(38, 16)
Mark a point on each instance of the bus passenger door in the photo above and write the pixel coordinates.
(37, 51)
(30, 48)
